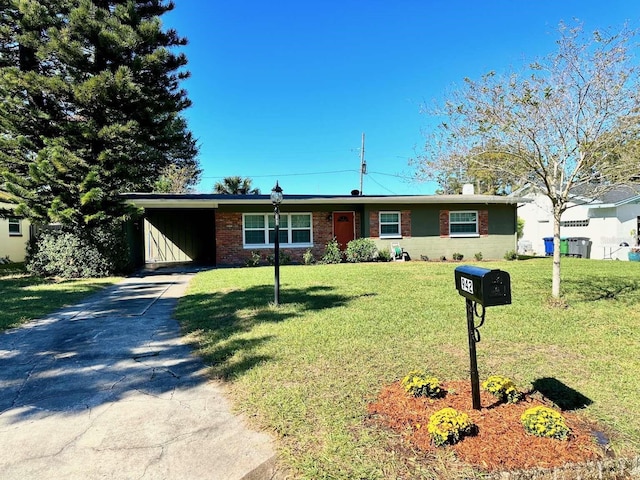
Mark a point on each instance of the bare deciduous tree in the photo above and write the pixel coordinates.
(178, 179)
(568, 123)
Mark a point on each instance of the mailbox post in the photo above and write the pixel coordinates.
(487, 288)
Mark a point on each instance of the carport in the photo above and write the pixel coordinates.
(174, 228)
(179, 236)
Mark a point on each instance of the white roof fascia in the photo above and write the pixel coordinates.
(603, 205)
(425, 199)
(628, 200)
(361, 200)
(617, 204)
(171, 203)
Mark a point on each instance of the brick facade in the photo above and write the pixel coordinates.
(229, 241)
(444, 223)
(405, 223)
(358, 221)
(229, 249)
(322, 232)
(374, 225)
(483, 223)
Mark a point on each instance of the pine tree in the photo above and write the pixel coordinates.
(91, 106)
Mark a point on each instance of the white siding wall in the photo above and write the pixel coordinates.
(538, 222)
(607, 229)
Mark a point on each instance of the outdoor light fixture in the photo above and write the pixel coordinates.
(276, 199)
(276, 195)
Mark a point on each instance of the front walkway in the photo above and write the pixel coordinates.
(106, 389)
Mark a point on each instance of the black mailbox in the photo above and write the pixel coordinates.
(484, 286)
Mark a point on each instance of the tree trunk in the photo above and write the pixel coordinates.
(555, 279)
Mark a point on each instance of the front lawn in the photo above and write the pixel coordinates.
(308, 369)
(25, 297)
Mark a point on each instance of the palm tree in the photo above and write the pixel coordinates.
(235, 186)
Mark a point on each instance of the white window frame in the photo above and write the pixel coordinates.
(266, 229)
(15, 221)
(464, 234)
(399, 223)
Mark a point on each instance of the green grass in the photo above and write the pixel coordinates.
(307, 369)
(25, 297)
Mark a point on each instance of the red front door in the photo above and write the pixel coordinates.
(343, 228)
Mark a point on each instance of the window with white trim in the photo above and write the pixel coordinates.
(463, 224)
(389, 224)
(15, 226)
(258, 229)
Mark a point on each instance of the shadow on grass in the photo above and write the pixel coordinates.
(19, 303)
(531, 257)
(7, 269)
(565, 397)
(611, 288)
(219, 317)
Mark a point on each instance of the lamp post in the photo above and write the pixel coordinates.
(276, 199)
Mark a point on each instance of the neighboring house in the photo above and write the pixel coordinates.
(609, 222)
(15, 233)
(226, 229)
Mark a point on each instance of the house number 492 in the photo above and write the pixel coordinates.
(466, 284)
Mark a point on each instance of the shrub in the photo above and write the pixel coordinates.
(361, 250)
(443, 258)
(419, 384)
(332, 253)
(308, 258)
(543, 421)
(384, 255)
(113, 242)
(59, 253)
(66, 253)
(502, 388)
(253, 260)
(520, 227)
(478, 256)
(511, 255)
(458, 257)
(284, 259)
(448, 426)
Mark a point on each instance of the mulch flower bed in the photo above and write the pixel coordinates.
(500, 442)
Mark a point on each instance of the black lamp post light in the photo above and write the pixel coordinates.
(276, 199)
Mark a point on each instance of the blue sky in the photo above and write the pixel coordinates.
(283, 90)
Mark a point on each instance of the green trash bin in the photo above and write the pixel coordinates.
(564, 246)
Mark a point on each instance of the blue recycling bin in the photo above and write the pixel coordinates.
(548, 245)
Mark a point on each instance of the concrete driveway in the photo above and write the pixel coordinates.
(106, 389)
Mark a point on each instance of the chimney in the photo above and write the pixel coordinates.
(467, 189)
